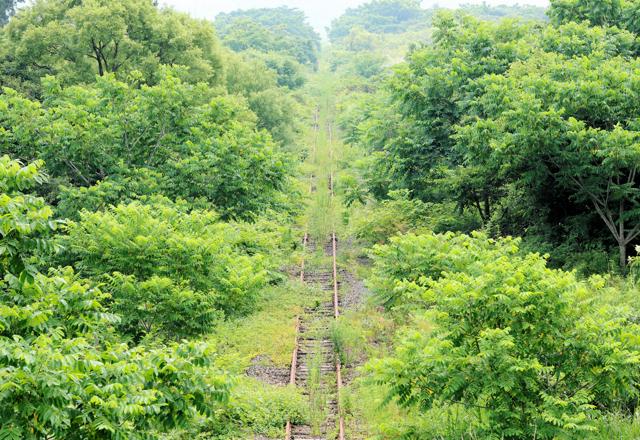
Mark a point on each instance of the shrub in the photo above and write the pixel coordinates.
(160, 304)
(511, 339)
(262, 409)
(142, 247)
(409, 261)
(24, 218)
(63, 371)
(399, 214)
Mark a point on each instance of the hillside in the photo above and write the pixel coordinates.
(425, 228)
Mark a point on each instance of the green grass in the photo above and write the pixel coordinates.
(269, 332)
(615, 427)
(317, 395)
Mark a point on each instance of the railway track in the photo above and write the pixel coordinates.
(315, 365)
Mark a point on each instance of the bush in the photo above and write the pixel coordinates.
(399, 214)
(160, 304)
(25, 220)
(261, 409)
(511, 338)
(141, 184)
(189, 265)
(64, 374)
(63, 371)
(408, 262)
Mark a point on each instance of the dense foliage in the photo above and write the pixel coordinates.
(63, 371)
(154, 138)
(148, 204)
(524, 127)
(510, 337)
(284, 30)
(379, 16)
(172, 138)
(135, 42)
(623, 14)
(77, 40)
(169, 270)
(527, 125)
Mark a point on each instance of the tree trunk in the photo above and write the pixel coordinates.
(623, 256)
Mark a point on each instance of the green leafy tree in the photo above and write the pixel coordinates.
(289, 71)
(439, 129)
(250, 76)
(77, 40)
(588, 143)
(63, 371)
(510, 339)
(620, 13)
(283, 30)
(194, 144)
(169, 271)
(434, 90)
(378, 16)
(24, 218)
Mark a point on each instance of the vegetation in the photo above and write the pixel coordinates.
(378, 16)
(516, 128)
(543, 369)
(481, 120)
(173, 138)
(283, 30)
(117, 266)
(77, 40)
(7, 9)
(64, 372)
(157, 173)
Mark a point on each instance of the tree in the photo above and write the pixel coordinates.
(283, 30)
(620, 13)
(252, 77)
(7, 9)
(435, 88)
(63, 371)
(169, 271)
(543, 122)
(191, 143)
(378, 16)
(24, 219)
(438, 133)
(508, 338)
(77, 40)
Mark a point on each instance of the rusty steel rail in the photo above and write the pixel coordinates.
(336, 311)
(294, 366)
(294, 355)
(304, 248)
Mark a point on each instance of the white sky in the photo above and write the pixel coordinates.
(320, 12)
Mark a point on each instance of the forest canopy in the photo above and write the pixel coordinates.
(379, 16)
(77, 40)
(463, 117)
(284, 30)
(134, 146)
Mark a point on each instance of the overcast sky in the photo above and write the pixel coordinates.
(320, 12)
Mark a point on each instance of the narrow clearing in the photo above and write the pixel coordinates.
(315, 366)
